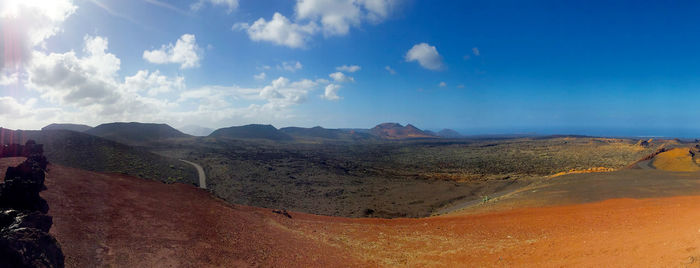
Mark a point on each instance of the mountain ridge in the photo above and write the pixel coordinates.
(397, 131)
(135, 133)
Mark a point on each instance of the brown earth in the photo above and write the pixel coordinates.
(117, 220)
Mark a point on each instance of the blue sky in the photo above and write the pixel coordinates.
(592, 67)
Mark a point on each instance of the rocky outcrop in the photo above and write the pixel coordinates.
(644, 143)
(24, 225)
(16, 150)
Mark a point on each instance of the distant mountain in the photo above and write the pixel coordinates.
(397, 131)
(324, 133)
(431, 133)
(196, 130)
(254, 131)
(71, 127)
(449, 133)
(84, 151)
(135, 133)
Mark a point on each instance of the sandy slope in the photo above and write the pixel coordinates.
(678, 159)
(103, 219)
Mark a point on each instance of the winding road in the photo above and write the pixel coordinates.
(200, 171)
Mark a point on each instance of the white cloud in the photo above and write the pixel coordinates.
(290, 66)
(185, 52)
(426, 55)
(476, 51)
(27, 24)
(349, 69)
(337, 16)
(18, 115)
(104, 65)
(10, 107)
(260, 76)
(152, 83)
(279, 30)
(341, 77)
(282, 93)
(274, 101)
(442, 84)
(8, 78)
(231, 5)
(64, 78)
(460, 86)
(331, 92)
(86, 89)
(378, 10)
(389, 69)
(84, 86)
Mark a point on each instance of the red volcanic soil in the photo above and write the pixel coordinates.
(116, 220)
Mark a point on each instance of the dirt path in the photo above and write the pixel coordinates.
(464, 204)
(200, 172)
(645, 164)
(118, 220)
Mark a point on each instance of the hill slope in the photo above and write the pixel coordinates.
(104, 220)
(254, 131)
(397, 131)
(72, 127)
(93, 153)
(135, 133)
(677, 159)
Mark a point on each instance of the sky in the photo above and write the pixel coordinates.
(566, 67)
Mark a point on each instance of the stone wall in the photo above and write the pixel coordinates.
(24, 225)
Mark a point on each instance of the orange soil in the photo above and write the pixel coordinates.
(107, 219)
(678, 159)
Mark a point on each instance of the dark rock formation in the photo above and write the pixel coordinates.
(24, 225)
(644, 143)
(16, 150)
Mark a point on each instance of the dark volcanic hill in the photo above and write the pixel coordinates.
(325, 134)
(449, 133)
(136, 133)
(254, 131)
(71, 127)
(80, 150)
(397, 131)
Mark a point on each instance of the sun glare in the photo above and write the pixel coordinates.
(52, 9)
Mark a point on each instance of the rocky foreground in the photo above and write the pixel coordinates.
(24, 225)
